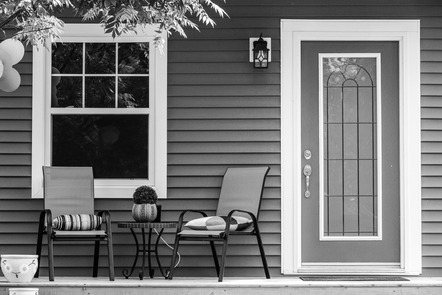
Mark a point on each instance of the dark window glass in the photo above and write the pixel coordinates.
(66, 92)
(99, 76)
(100, 92)
(133, 58)
(100, 58)
(116, 146)
(67, 58)
(133, 92)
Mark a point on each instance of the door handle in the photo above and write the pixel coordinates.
(307, 172)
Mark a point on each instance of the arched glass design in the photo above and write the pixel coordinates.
(350, 184)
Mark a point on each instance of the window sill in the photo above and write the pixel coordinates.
(119, 188)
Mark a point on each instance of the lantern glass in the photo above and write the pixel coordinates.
(261, 59)
(260, 54)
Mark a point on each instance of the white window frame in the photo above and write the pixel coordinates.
(42, 112)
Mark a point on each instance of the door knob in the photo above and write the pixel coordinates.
(307, 172)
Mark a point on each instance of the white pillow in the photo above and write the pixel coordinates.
(219, 223)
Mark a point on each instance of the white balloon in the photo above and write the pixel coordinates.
(14, 49)
(5, 58)
(10, 80)
(1, 69)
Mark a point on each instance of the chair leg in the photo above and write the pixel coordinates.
(223, 260)
(263, 255)
(38, 251)
(96, 259)
(110, 253)
(215, 257)
(174, 255)
(51, 257)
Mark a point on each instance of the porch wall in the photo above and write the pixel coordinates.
(222, 112)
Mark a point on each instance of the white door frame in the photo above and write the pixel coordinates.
(407, 33)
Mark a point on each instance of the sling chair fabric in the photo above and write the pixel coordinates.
(241, 193)
(70, 191)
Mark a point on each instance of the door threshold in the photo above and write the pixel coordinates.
(352, 268)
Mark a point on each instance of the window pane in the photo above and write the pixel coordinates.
(133, 92)
(133, 58)
(100, 58)
(114, 145)
(67, 58)
(100, 92)
(66, 92)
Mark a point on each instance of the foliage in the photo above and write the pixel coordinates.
(119, 17)
(33, 19)
(145, 195)
(36, 21)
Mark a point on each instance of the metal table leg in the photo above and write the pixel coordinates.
(156, 252)
(141, 273)
(151, 271)
(125, 271)
(149, 250)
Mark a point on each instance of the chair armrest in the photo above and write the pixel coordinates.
(229, 216)
(181, 218)
(45, 221)
(106, 217)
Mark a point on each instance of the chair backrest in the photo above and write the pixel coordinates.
(68, 190)
(242, 188)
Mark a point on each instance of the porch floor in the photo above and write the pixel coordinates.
(244, 286)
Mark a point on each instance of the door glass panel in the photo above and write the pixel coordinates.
(349, 146)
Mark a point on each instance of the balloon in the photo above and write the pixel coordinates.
(14, 49)
(10, 80)
(5, 58)
(11, 52)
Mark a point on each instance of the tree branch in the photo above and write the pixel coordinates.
(11, 17)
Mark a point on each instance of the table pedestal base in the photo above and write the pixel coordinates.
(143, 250)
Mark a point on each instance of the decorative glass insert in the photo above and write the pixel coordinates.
(350, 146)
(100, 75)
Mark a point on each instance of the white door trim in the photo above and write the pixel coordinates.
(407, 33)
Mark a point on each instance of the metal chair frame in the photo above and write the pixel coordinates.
(97, 235)
(221, 236)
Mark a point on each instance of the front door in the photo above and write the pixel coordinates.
(350, 155)
(350, 147)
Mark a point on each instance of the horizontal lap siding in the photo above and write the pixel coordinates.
(222, 112)
(431, 113)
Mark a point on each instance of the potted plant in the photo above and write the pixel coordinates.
(145, 208)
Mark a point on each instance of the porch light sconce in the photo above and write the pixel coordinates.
(260, 52)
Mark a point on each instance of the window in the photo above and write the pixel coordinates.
(101, 102)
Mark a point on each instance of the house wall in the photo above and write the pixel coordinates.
(222, 112)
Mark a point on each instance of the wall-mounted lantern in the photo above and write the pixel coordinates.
(260, 52)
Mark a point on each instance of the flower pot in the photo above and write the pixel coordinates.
(144, 212)
(23, 291)
(19, 268)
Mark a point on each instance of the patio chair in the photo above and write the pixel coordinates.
(240, 195)
(70, 190)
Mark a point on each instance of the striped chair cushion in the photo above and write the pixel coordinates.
(76, 222)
